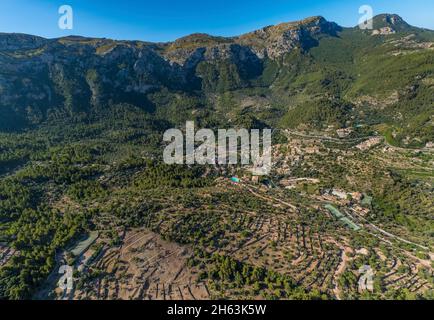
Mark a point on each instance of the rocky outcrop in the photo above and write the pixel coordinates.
(383, 31)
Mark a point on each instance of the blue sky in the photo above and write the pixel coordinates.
(165, 20)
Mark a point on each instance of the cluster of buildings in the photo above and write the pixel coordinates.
(368, 144)
(344, 133)
(359, 202)
(366, 280)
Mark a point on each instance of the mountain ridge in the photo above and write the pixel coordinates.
(285, 66)
(378, 22)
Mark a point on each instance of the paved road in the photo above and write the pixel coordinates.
(345, 140)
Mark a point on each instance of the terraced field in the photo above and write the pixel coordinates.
(261, 228)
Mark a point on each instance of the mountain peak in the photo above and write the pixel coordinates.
(313, 19)
(279, 39)
(393, 21)
(308, 22)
